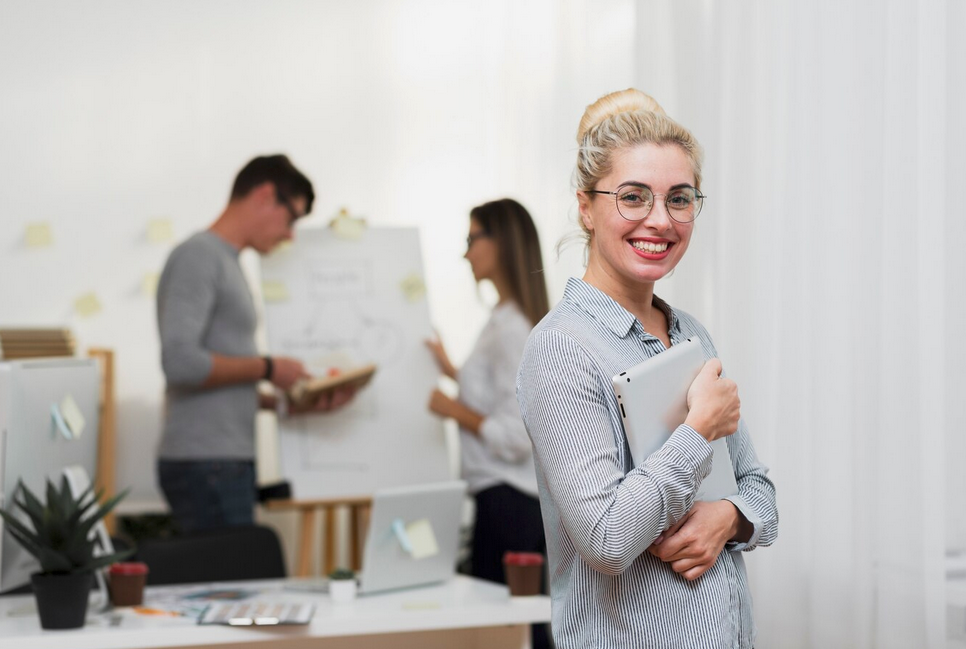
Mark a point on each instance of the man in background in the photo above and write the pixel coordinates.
(207, 320)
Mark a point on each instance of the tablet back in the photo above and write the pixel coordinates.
(653, 397)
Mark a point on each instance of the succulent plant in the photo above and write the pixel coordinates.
(342, 573)
(61, 538)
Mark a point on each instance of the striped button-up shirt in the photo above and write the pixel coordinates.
(602, 508)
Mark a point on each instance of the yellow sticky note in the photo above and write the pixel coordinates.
(413, 288)
(87, 305)
(72, 415)
(274, 291)
(422, 539)
(160, 231)
(281, 246)
(149, 284)
(348, 227)
(38, 235)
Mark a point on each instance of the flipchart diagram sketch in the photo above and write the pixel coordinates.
(350, 302)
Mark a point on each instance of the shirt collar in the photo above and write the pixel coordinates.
(606, 310)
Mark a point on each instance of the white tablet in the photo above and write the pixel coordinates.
(653, 398)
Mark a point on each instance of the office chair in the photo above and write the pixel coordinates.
(229, 554)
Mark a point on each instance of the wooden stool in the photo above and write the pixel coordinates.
(358, 520)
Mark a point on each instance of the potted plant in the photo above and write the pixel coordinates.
(342, 585)
(62, 542)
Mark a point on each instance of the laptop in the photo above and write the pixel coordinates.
(653, 398)
(413, 539)
(413, 536)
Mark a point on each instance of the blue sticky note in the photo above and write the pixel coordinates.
(399, 529)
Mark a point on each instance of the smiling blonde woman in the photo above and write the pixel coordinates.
(635, 561)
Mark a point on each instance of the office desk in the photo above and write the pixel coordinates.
(464, 612)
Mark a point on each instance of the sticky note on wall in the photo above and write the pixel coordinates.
(38, 235)
(87, 305)
(149, 284)
(274, 291)
(413, 288)
(346, 226)
(160, 231)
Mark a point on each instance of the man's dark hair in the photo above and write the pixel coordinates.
(276, 169)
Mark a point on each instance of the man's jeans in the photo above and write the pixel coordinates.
(209, 494)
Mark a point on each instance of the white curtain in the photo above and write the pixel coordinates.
(828, 263)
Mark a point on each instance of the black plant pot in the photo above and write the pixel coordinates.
(62, 598)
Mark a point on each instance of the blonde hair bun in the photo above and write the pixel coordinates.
(615, 103)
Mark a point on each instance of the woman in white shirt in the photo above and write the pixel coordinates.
(496, 455)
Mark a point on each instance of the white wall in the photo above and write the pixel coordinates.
(116, 113)
(410, 112)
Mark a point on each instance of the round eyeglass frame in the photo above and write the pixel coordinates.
(699, 199)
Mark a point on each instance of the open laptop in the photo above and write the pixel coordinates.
(413, 539)
(413, 536)
(653, 397)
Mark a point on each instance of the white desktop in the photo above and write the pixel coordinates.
(49, 415)
(462, 612)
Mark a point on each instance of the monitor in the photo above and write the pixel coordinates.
(42, 405)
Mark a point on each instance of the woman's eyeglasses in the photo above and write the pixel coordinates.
(634, 202)
(473, 236)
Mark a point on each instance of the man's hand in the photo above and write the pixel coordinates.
(693, 544)
(286, 371)
(333, 400)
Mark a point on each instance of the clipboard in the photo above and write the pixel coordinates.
(308, 391)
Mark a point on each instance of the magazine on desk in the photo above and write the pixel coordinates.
(258, 613)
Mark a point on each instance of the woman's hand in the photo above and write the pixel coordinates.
(442, 405)
(445, 406)
(713, 404)
(693, 544)
(442, 359)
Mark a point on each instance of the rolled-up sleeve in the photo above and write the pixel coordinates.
(185, 299)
